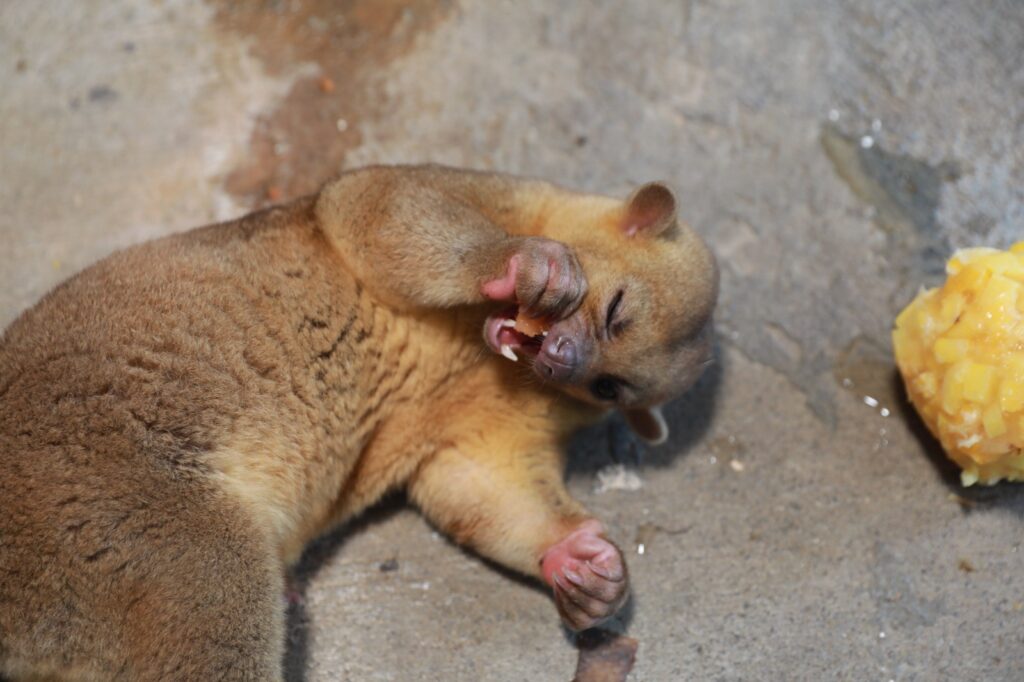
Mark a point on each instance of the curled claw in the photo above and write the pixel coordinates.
(588, 577)
(543, 277)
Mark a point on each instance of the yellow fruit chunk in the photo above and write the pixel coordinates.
(950, 310)
(953, 387)
(964, 257)
(1011, 395)
(1013, 366)
(978, 382)
(950, 350)
(960, 350)
(997, 302)
(531, 326)
(992, 419)
(926, 384)
(1007, 265)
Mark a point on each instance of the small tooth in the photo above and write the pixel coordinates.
(507, 351)
(508, 322)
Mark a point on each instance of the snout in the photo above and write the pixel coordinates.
(558, 359)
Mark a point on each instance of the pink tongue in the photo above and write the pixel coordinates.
(508, 336)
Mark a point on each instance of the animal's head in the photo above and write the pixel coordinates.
(642, 335)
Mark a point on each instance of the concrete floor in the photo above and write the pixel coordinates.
(832, 152)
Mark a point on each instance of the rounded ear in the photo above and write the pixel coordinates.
(649, 211)
(648, 423)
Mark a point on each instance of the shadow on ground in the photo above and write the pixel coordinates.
(1005, 497)
(611, 441)
(316, 556)
(689, 417)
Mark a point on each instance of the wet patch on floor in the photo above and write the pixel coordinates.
(904, 194)
(865, 368)
(304, 141)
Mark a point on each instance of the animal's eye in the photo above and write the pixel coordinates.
(609, 319)
(605, 388)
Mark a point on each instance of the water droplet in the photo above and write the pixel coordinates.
(833, 115)
(867, 142)
(342, 125)
(881, 635)
(640, 549)
(876, 125)
(884, 412)
(870, 402)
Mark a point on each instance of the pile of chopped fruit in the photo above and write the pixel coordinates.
(960, 349)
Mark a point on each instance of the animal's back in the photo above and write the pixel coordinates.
(116, 393)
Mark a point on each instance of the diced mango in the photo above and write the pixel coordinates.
(1007, 265)
(953, 387)
(979, 380)
(970, 279)
(903, 318)
(960, 349)
(925, 322)
(926, 385)
(531, 326)
(950, 350)
(1013, 366)
(963, 257)
(1011, 395)
(998, 300)
(950, 309)
(993, 421)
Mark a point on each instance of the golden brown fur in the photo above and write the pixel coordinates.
(180, 419)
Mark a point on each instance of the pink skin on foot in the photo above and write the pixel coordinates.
(543, 277)
(588, 576)
(503, 288)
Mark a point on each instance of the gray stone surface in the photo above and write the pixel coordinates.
(832, 153)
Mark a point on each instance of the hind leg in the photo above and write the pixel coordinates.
(210, 610)
(226, 622)
(229, 628)
(165, 582)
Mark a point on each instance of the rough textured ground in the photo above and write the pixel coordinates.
(832, 152)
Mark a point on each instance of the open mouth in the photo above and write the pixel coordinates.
(510, 334)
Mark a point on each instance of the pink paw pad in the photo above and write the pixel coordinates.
(588, 576)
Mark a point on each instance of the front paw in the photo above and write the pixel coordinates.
(588, 576)
(543, 277)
